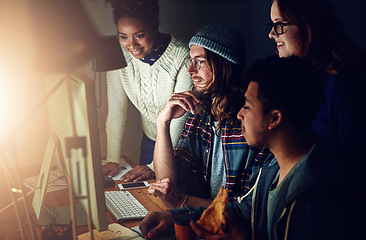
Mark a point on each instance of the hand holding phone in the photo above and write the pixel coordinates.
(133, 185)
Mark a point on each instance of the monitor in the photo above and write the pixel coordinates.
(72, 113)
(65, 38)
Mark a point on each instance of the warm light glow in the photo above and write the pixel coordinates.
(21, 87)
(16, 190)
(9, 107)
(15, 64)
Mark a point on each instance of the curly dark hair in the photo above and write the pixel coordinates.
(146, 10)
(290, 84)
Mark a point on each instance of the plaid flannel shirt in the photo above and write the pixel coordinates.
(193, 157)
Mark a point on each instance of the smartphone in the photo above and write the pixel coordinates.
(132, 185)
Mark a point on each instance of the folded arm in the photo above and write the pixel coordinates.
(176, 107)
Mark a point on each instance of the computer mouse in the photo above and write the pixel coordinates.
(108, 182)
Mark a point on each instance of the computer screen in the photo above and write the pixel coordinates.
(72, 113)
(65, 38)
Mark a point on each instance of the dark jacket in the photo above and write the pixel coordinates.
(316, 202)
(338, 121)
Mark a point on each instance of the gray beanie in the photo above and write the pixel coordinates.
(223, 40)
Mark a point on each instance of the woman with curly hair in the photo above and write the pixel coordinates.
(155, 70)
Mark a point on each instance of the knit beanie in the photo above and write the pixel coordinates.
(222, 39)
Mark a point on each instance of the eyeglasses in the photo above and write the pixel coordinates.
(196, 63)
(278, 27)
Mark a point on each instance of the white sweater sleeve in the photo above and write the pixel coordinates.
(116, 118)
(184, 83)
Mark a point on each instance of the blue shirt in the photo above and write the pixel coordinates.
(162, 43)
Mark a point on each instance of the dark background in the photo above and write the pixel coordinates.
(184, 18)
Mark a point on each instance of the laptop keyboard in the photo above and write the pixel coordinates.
(123, 205)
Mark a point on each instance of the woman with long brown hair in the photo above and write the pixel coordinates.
(312, 30)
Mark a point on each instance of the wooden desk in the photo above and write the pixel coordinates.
(9, 227)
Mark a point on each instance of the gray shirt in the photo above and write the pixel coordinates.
(218, 172)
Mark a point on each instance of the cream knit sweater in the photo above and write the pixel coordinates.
(148, 88)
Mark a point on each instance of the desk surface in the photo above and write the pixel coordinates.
(9, 227)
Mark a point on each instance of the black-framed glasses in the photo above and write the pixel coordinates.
(278, 27)
(196, 63)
